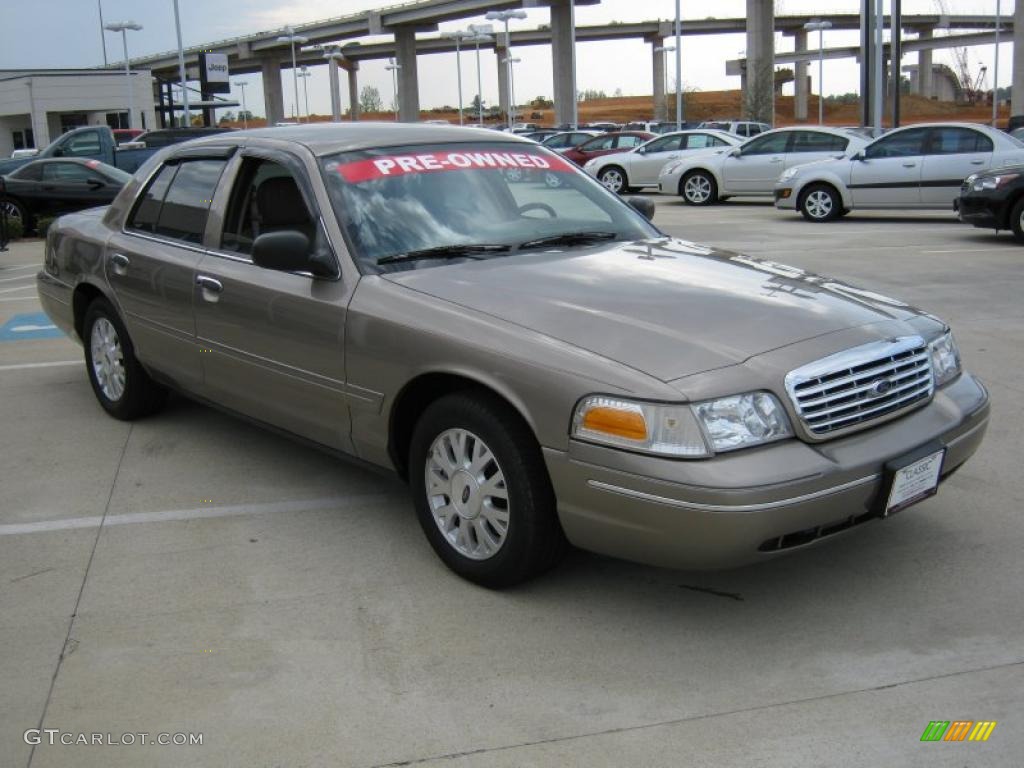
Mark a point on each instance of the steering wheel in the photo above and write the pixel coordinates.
(538, 207)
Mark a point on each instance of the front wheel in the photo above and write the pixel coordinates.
(613, 179)
(482, 492)
(699, 188)
(821, 202)
(120, 383)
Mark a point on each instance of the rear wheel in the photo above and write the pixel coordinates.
(821, 202)
(482, 492)
(1017, 220)
(614, 179)
(699, 188)
(120, 383)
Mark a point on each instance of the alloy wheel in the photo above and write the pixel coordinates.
(11, 210)
(466, 494)
(697, 188)
(612, 180)
(107, 359)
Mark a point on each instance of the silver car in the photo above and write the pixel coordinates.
(541, 364)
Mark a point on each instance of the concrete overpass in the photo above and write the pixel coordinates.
(261, 52)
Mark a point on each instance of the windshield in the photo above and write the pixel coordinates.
(497, 198)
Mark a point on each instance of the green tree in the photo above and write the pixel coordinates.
(369, 99)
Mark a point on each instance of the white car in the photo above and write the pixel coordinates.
(752, 168)
(744, 128)
(560, 142)
(625, 171)
(921, 166)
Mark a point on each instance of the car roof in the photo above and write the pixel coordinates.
(330, 138)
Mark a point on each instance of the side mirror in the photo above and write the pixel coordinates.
(58, 152)
(643, 205)
(287, 251)
(735, 153)
(859, 155)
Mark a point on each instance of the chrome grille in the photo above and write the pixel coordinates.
(862, 384)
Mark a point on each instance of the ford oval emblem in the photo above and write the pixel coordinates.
(880, 388)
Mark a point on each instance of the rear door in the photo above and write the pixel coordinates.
(952, 153)
(274, 341)
(646, 163)
(151, 264)
(890, 173)
(759, 163)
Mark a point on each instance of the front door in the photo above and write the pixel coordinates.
(756, 165)
(890, 172)
(272, 341)
(951, 155)
(646, 163)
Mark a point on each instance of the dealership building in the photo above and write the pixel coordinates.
(37, 106)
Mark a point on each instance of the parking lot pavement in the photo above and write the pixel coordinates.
(192, 574)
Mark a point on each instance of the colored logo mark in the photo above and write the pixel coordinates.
(958, 730)
(35, 325)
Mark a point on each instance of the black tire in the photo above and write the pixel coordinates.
(141, 396)
(820, 203)
(699, 188)
(16, 209)
(614, 171)
(1016, 223)
(534, 540)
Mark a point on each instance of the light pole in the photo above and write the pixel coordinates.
(995, 71)
(820, 27)
(511, 89)
(291, 38)
(393, 68)
(304, 73)
(123, 27)
(665, 49)
(679, 69)
(458, 36)
(181, 71)
(245, 111)
(481, 34)
(505, 16)
(103, 37)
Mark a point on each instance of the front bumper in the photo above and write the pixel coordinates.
(785, 197)
(749, 505)
(983, 210)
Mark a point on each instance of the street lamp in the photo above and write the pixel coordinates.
(393, 68)
(481, 34)
(123, 27)
(181, 72)
(458, 36)
(995, 72)
(511, 89)
(291, 38)
(332, 53)
(304, 73)
(679, 69)
(664, 49)
(505, 16)
(245, 111)
(820, 27)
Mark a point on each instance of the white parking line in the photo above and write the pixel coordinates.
(15, 279)
(21, 298)
(969, 250)
(25, 366)
(234, 510)
(18, 266)
(19, 288)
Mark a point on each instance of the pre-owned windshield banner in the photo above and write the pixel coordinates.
(387, 166)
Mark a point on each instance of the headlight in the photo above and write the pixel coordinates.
(590, 163)
(743, 420)
(945, 358)
(670, 168)
(666, 430)
(993, 182)
(789, 175)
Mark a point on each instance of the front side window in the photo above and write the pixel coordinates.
(393, 202)
(772, 144)
(958, 141)
(908, 143)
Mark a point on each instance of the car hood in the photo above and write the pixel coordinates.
(666, 307)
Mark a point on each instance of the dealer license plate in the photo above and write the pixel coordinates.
(915, 482)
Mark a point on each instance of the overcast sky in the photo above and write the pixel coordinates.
(66, 33)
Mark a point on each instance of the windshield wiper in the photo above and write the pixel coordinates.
(568, 238)
(444, 252)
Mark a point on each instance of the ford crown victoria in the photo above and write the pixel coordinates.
(536, 361)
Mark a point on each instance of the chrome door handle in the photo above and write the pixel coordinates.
(776, 160)
(977, 162)
(910, 165)
(119, 263)
(209, 284)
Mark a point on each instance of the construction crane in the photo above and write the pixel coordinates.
(972, 88)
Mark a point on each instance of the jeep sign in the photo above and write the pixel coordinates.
(214, 76)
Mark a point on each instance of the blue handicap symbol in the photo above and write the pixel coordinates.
(31, 325)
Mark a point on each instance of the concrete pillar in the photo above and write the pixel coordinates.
(501, 52)
(562, 54)
(408, 80)
(273, 95)
(801, 82)
(1017, 89)
(658, 68)
(759, 97)
(353, 91)
(924, 82)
